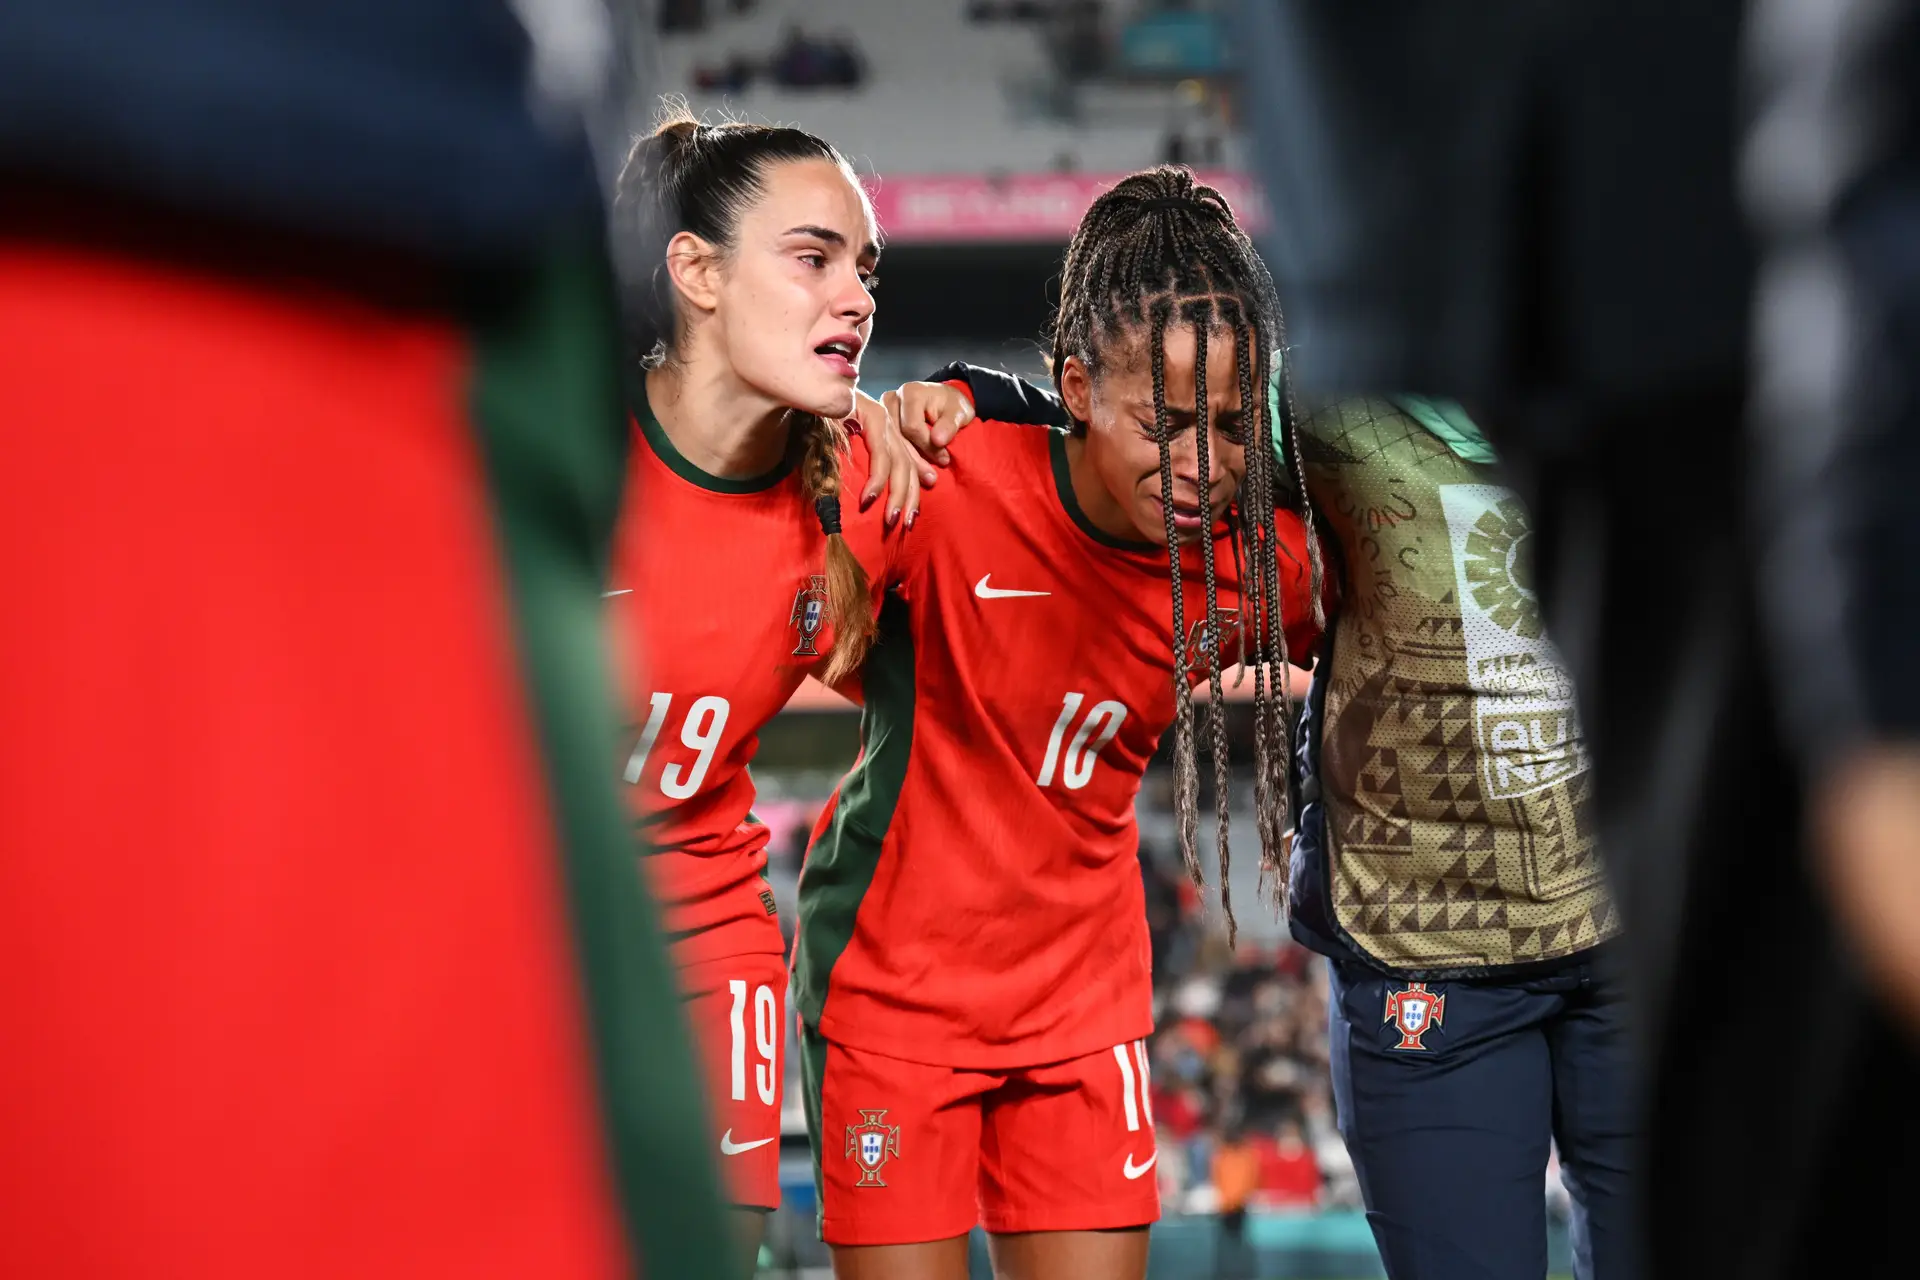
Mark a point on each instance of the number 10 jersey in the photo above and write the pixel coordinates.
(972, 897)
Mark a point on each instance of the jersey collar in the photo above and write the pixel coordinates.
(676, 462)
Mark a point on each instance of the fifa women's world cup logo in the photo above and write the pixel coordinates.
(809, 615)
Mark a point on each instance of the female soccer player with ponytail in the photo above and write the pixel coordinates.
(737, 571)
(971, 969)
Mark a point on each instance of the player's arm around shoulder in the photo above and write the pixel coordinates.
(883, 461)
(1003, 411)
(999, 413)
(1002, 397)
(893, 455)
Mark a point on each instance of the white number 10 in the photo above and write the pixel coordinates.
(1095, 732)
(766, 1027)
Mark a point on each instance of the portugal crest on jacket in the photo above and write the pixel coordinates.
(809, 614)
(869, 1143)
(1416, 1011)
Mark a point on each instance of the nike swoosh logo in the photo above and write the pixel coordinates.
(728, 1147)
(986, 592)
(1132, 1170)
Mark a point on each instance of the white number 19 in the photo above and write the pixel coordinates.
(705, 724)
(1095, 732)
(766, 1028)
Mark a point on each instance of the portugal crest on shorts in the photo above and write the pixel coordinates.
(809, 614)
(1415, 1010)
(869, 1143)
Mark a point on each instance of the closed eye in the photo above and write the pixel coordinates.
(1233, 428)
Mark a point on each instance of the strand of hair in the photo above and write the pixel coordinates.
(1216, 708)
(1186, 782)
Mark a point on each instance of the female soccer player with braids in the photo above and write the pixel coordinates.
(749, 253)
(971, 968)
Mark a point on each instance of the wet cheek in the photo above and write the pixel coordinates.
(1147, 462)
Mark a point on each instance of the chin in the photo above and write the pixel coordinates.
(829, 402)
(809, 392)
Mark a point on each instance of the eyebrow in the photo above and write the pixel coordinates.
(1144, 408)
(832, 237)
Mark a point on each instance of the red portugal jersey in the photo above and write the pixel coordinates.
(719, 606)
(973, 894)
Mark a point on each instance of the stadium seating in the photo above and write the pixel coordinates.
(925, 107)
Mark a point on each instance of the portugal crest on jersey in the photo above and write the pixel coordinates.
(869, 1143)
(1230, 624)
(1416, 1011)
(809, 614)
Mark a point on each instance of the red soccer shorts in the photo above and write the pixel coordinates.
(909, 1152)
(738, 1008)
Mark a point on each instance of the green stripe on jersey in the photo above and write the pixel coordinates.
(546, 401)
(840, 867)
(813, 1085)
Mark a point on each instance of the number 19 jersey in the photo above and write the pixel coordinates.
(972, 897)
(719, 605)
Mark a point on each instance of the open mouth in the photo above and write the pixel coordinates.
(842, 354)
(1190, 517)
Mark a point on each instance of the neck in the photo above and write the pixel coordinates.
(1098, 505)
(716, 421)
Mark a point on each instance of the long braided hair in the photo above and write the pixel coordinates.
(1159, 249)
(700, 178)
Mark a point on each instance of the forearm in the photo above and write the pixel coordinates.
(1004, 397)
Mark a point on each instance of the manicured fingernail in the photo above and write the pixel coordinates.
(911, 517)
(893, 514)
(927, 478)
(866, 500)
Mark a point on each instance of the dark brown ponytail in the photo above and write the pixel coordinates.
(820, 443)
